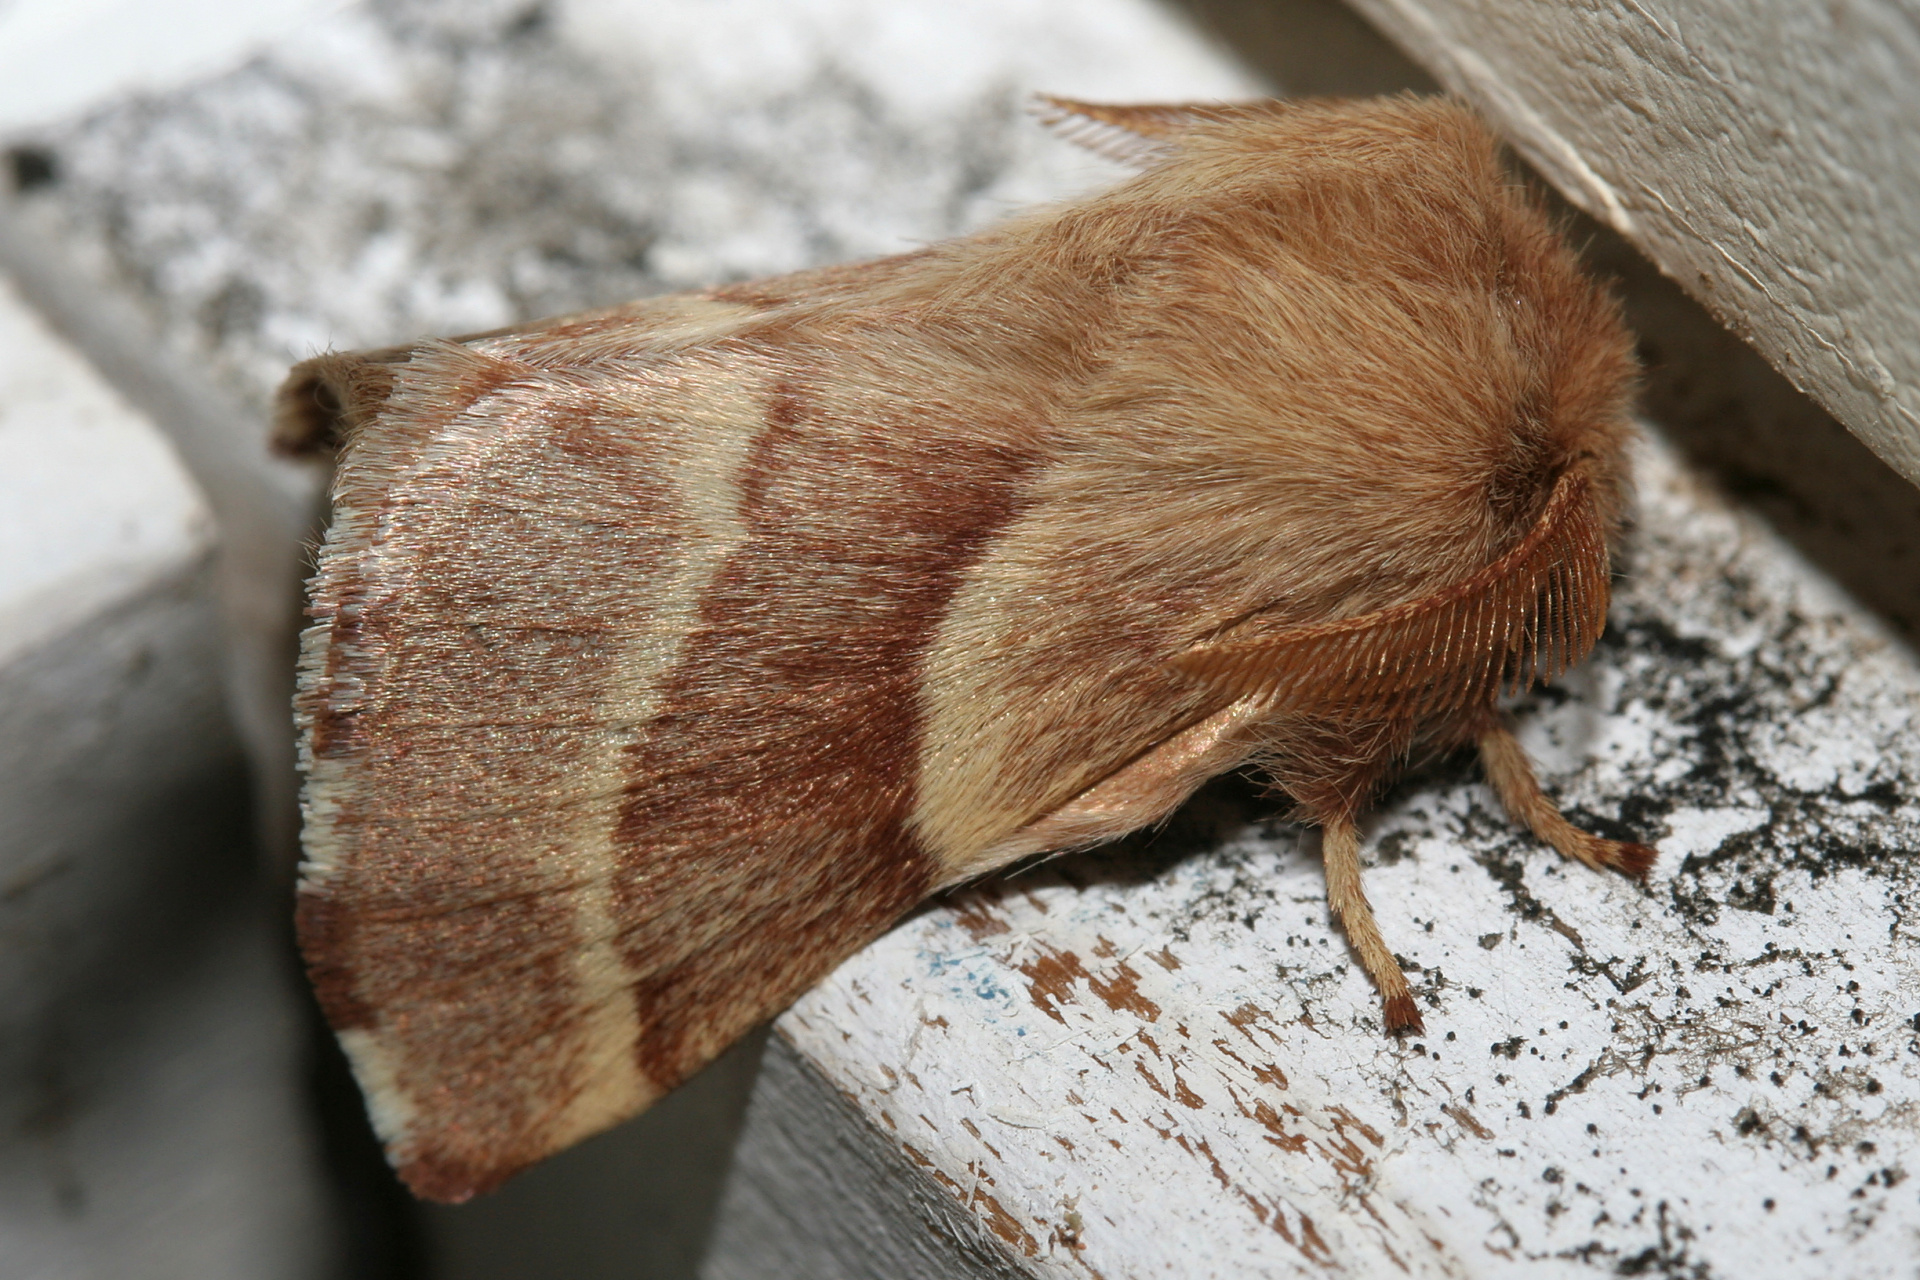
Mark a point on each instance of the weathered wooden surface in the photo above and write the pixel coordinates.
(818, 1192)
(1161, 1061)
(148, 1044)
(1761, 153)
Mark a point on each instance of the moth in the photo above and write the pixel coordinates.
(663, 656)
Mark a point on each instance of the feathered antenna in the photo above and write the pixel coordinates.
(1523, 619)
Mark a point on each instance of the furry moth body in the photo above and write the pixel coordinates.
(665, 655)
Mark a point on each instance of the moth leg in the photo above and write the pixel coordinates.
(1511, 774)
(1340, 847)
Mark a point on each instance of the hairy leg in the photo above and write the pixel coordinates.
(1341, 849)
(1511, 774)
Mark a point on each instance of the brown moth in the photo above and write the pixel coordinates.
(663, 656)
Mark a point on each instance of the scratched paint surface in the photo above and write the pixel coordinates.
(1162, 1061)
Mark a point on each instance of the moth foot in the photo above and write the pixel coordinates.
(1625, 856)
(1402, 1016)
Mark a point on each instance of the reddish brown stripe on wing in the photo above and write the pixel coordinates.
(764, 833)
(325, 929)
(339, 607)
(463, 703)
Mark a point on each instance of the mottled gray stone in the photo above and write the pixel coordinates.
(420, 166)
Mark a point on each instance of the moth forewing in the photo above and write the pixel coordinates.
(663, 656)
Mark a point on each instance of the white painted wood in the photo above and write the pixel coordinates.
(93, 504)
(818, 1193)
(148, 1045)
(1762, 153)
(1164, 1063)
(60, 58)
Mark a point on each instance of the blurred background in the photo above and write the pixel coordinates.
(195, 195)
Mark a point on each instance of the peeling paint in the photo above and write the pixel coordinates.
(1713, 1074)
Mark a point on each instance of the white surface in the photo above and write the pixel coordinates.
(946, 74)
(93, 504)
(1171, 1068)
(64, 57)
(1762, 154)
(164, 1136)
(926, 61)
(151, 1122)
(386, 174)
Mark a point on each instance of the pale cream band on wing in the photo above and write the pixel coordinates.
(1139, 795)
(715, 423)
